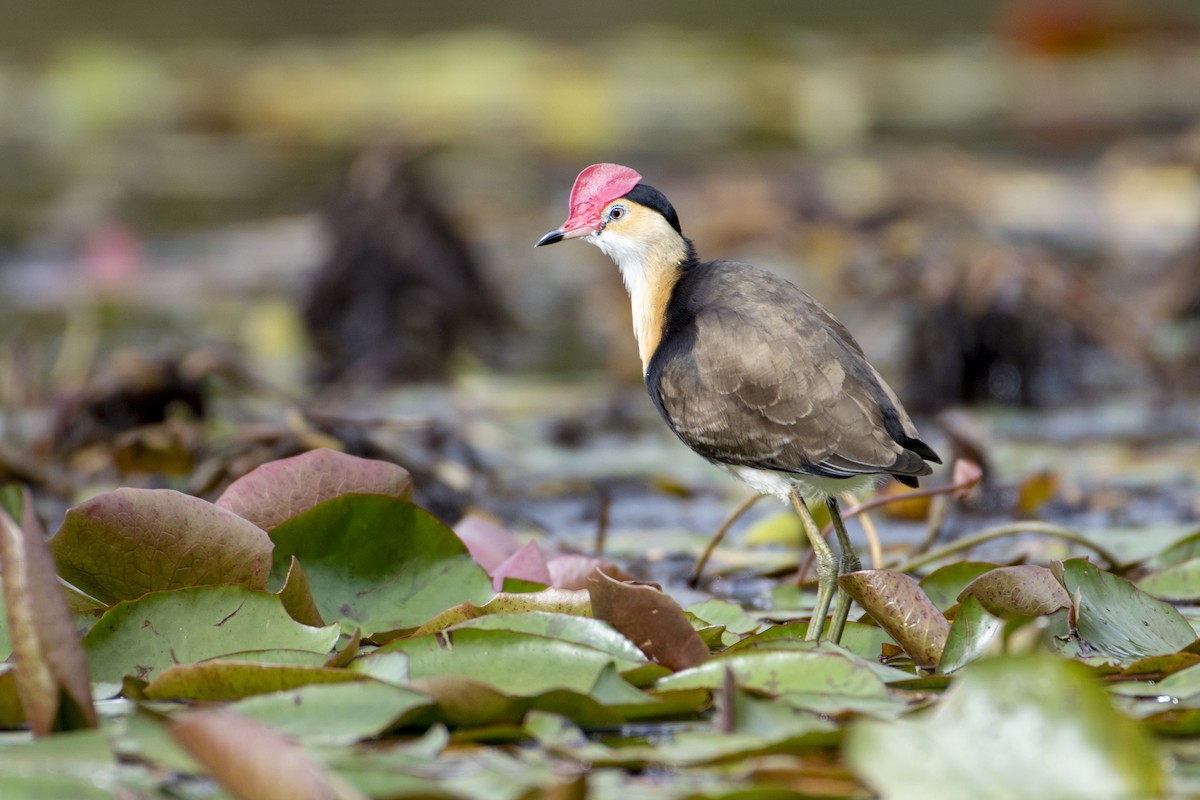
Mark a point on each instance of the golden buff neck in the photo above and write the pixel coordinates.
(650, 258)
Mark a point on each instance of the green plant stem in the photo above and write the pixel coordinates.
(1011, 529)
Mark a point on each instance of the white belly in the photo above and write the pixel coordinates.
(811, 487)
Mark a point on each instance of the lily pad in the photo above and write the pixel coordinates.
(1026, 590)
(378, 563)
(973, 630)
(649, 618)
(945, 584)
(129, 542)
(518, 664)
(863, 640)
(296, 596)
(1117, 619)
(220, 679)
(48, 664)
(67, 765)
(585, 631)
(576, 602)
(733, 617)
(1185, 549)
(142, 637)
(1179, 581)
(249, 759)
(783, 671)
(1027, 726)
(896, 602)
(526, 564)
(1182, 685)
(11, 712)
(333, 714)
(279, 490)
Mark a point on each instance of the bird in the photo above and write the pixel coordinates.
(749, 371)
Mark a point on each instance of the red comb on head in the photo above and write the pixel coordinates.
(596, 187)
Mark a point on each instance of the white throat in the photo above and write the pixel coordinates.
(649, 263)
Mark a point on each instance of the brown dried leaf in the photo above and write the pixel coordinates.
(49, 667)
(279, 490)
(254, 762)
(1026, 590)
(650, 619)
(902, 608)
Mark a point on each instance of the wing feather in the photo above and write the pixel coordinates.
(757, 373)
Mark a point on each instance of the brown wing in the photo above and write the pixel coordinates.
(757, 373)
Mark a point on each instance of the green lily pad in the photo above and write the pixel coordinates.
(1027, 726)
(1179, 581)
(129, 542)
(1185, 549)
(584, 631)
(1152, 667)
(733, 617)
(1182, 685)
(296, 658)
(945, 584)
(219, 679)
(51, 787)
(141, 637)
(378, 562)
(782, 671)
(1117, 619)
(517, 664)
(762, 727)
(973, 630)
(865, 641)
(465, 702)
(333, 714)
(67, 765)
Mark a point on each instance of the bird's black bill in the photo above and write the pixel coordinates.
(550, 238)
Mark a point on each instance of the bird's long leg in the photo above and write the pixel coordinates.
(848, 562)
(826, 564)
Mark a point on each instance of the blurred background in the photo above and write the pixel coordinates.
(230, 232)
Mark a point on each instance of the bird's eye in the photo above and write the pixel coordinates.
(616, 212)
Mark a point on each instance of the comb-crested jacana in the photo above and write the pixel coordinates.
(749, 371)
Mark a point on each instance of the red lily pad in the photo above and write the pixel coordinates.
(279, 490)
(526, 564)
(124, 544)
(1026, 590)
